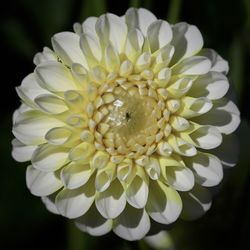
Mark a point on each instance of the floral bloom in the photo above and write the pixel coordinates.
(126, 124)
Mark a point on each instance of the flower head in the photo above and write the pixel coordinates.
(124, 123)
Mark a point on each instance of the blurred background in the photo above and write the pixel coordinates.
(26, 27)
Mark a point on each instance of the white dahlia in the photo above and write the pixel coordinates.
(120, 122)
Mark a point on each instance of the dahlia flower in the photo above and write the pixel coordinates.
(126, 124)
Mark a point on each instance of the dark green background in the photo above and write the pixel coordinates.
(26, 26)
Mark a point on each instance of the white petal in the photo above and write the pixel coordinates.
(58, 136)
(163, 57)
(180, 178)
(159, 34)
(134, 44)
(164, 203)
(218, 63)
(91, 47)
(187, 41)
(110, 28)
(212, 85)
(75, 175)
(46, 55)
(206, 137)
(54, 77)
(42, 183)
(228, 151)
(49, 158)
(31, 127)
(192, 107)
(176, 175)
(180, 146)
(112, 59)
(93, 223)
(77, 27)
(132, 224)
(195, 65)
(153, 168)
(30, 89)
(21, 152)
(51, 104)
(82, 152)
(140, 19)
(178, 123)
(75, 203)
(125, 170)
(49, 202)
(195, 203)
(111, 202)
(180, 87)
(105, 176)
(224, 115)
(89, 24)
(206, 167)
(18, 112)
(67, 46)
(137, 190)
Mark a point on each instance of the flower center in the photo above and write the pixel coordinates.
(130, 115)
(129, 118)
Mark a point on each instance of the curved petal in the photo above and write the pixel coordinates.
(82, 152)
(105, 176)
(30, 127)
(42, 183)
(21, 152)
(30, 89)
(75, 203)
(44, 56)
(111, 58)
(192, 107)
(159, 34)
(207, 169)
(132, 224)
(110, 28)
(164, 203)
(139, 19)
(133, 46)
(195, 65)
(195, 203)
(224, 115)
(90, 47)
(67, 46)
(176, 175)
(75, 175)
(137, 190)
(153, 168)
(180, 87)
(51, 104)
(93, 223)
(213, 85)
(187, 41)
(49, 158)
(111, 202)
(89, 25)
(203, 136)
(54, 77)
(18, 112)
(218, 63)
(59, 136)
(180, 146)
